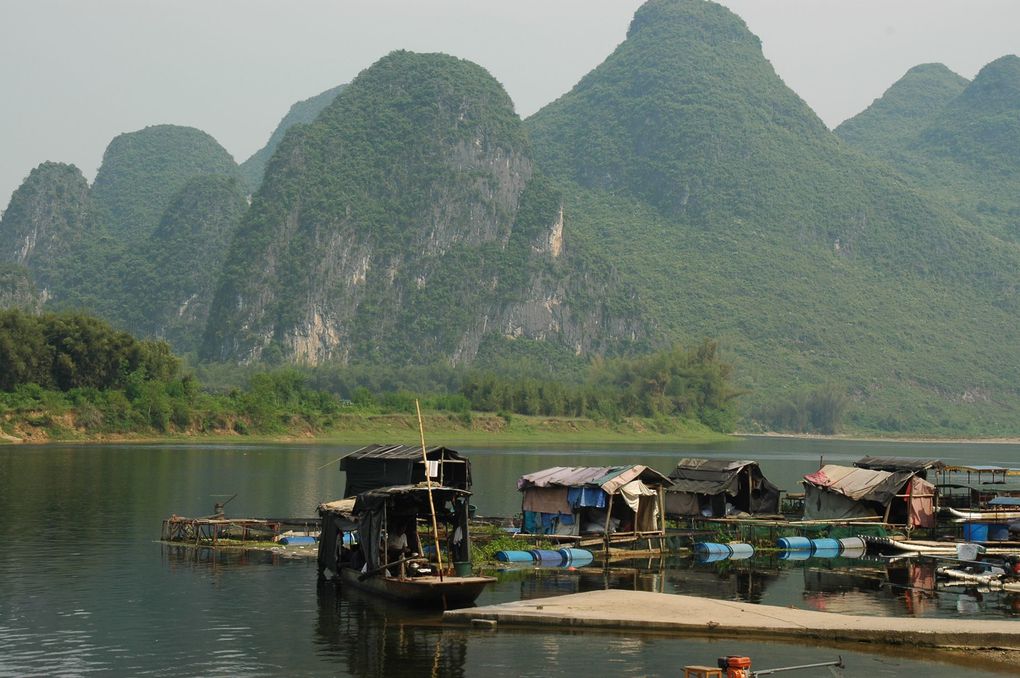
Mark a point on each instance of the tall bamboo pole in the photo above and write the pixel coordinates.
(428, 484)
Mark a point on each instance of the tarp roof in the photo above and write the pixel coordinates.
(708, 476)
(609, 478)
(898, 464)
(859, 484)
(373, 499)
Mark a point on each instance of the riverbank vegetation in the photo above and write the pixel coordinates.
(70, 376)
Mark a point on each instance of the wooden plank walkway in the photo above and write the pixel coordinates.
(690, 615)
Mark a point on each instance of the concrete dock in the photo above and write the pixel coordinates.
(689, 615)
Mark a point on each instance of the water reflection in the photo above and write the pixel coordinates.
(372, 637)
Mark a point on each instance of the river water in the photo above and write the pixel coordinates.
(85, 587)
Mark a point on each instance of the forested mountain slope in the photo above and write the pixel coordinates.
(965, 149)
(735, 213)
(301, 113)
(142, 171)
(903, 110)
(407, 224)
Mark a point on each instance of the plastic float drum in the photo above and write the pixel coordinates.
(794, 555)
(705, 558)
(576, 557)
(854, 543)
(547, 557)
(297, 541)
(711, 552)
(515, 557)
(740, 551)
(827, 545)
(794, 544)
(712, 548)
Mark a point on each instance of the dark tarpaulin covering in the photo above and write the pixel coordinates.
(894, 464)
(378, 466)
(373, 508)
(713, 482)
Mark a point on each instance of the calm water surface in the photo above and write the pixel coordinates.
(86, 589)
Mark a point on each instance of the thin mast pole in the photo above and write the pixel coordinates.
(428, 484)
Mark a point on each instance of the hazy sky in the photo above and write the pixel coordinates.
(75, 73)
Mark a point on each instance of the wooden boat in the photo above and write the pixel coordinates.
(990, 515)
(372, 543)
(444, 593)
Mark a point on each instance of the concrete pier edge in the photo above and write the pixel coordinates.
(997, 641)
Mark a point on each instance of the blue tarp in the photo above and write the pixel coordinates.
(594, 497)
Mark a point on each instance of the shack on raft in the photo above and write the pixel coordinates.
(376, 466)
(595, 504)
(715, 488)
(852, 493)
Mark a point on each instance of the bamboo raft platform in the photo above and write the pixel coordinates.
(209, 530)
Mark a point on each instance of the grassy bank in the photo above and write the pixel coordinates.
(357, 428)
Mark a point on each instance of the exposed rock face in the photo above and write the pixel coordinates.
(405, 223)
(48, 219)
(17, 289)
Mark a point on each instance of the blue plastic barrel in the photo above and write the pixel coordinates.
(576, 557)
(297, 541)
(514, 557)
(826, 545)
(709, 548)
(998, 532)
(794, 544)
(975, 531)
(706, 557)
(794, 555)
(740, 551)
(547, 557)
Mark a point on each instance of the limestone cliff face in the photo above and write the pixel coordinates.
(48, 218)
(17, 289)
(406, 223)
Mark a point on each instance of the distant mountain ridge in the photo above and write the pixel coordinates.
(679, 191)
(963, 145)
(301, 113)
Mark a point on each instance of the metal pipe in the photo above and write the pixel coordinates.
(768, 672)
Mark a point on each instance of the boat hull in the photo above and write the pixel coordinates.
(427, 591)
(1001, 515)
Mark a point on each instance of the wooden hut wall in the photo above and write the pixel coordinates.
(682, 504)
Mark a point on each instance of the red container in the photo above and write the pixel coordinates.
(738, 662)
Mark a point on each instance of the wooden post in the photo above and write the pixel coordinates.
(609, 514)
(428, 484)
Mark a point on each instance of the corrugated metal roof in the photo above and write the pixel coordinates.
(378, 451)
(898, 463)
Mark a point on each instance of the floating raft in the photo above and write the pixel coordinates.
(659, 612)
